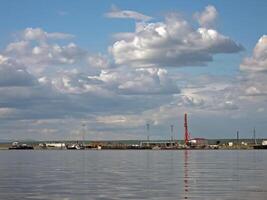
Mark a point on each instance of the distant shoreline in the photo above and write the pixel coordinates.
(223, 144)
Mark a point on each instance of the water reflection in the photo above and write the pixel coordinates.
(186, 181)
(115, 175)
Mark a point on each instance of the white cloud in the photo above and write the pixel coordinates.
(38, 57)
(123, 36)
(39, 34)
(119, 82)
(3, 59)
(126, 14)
(18, 48)
(12, 74)
(192, 101)
(229, 105)
(253, 91)
(119, 99)
(41, 55)
(210, 94)
(148, 81)
(207, 17)
(6, 112)
(99, 61)
(113, 119)
(76, 83)
(171, 43)
(258, 61)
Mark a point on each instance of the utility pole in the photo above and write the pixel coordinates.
(83, 134)
(172, 134)
(254, 136)
(147, 129)
(237, 138)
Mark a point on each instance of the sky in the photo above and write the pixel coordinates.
(108, 68)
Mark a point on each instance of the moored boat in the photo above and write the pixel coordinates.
(75, 146)
(263, 145)
(18, 146)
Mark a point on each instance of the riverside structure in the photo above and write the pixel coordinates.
(141, 144)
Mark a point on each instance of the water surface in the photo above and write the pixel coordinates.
(68, 175)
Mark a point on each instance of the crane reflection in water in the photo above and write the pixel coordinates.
(186, 181)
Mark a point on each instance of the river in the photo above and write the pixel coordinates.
(134, 174)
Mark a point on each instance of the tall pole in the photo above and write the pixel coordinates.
(237, 137)
(254, 136)
(83, 133)
(172, 132)
(147, 129)
(186, 135)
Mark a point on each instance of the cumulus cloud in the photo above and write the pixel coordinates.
(253, 85)
(78, 83)
(11, 74)
(118, 98)
(258, 60)
(41, 53)
(148, 81)
(229, 105)
(28, 97)
(144, 81)
(99, 61)
(253, 91)
(126, 14)
(6, 112)
(192, 101)
(123, 36)
(28, 54)
(210, 94)
(3, 59)
(68, 91)
(207, 17)
(171, 43)
(39, 34)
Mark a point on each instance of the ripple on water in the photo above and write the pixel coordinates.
(207, 175)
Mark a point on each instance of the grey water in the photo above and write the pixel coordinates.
(183, 174)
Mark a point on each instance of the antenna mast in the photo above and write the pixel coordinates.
(186, 134)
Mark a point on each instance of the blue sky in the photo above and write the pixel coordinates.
(86, 20)
(116, 65)
(93, 31)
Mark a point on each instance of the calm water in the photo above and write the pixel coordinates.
(69, 175)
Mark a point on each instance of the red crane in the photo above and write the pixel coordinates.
(186, 133)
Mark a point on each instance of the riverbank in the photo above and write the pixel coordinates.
(130, 147)
(225, 144)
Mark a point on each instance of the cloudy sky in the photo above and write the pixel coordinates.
(115, 66)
